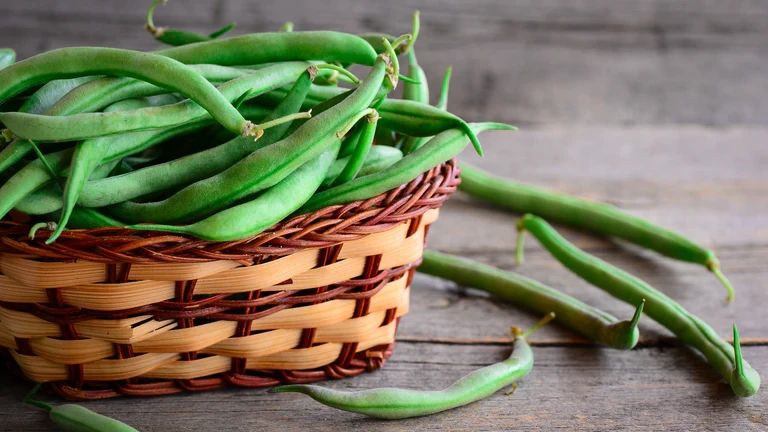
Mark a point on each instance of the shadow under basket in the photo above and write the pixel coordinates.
(108, 312)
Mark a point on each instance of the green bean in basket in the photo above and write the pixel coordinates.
(262, 168)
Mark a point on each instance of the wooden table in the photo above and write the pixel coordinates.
(709, 184)
(619, 99)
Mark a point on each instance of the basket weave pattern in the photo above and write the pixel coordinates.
(109, 312)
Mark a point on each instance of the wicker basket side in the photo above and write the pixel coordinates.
(167, 320)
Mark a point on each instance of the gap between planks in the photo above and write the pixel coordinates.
(642, 343)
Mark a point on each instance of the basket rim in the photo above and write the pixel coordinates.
(325, 227)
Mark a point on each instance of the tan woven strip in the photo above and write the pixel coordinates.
(38, 274)
(430, 216)
(179, 271)
(296, 359)
(375, 244)
(6, 339)
(257, 345)
(111, 297)
(189, 339)
(42, 370)
(258, 277)
(13, 291)
(72, 351)
(120, 331)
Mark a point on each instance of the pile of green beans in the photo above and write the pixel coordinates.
(257, 157)
(215, 139)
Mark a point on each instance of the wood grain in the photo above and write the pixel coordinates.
(575, 385)
(657, 106)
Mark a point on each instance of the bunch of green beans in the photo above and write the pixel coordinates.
(215, 139)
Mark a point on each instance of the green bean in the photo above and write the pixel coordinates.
(179, 37)
(51, 93)
(262, 168)
(287, 28)
(34, 175)
(7, 57)
(153, 68)
(328, 46)
(378, 158)
(76, 418)
(590, 322)
(90, 125)
(48, 198)
(439, 149)
(405, 117)
(253, 217)
(595, 217)
(417, 93)
(195, 167)
(39, 102)
(394, 403)
(87, 156)
(691, 330)
(362, 148)
(442, 103)
(97, 94)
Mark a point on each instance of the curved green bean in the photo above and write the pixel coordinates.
(328, 46)
(179, 37)
(253, 217)
(691, 330)
(439, 149)
(75, 418)
(51, 93)
(91, 125)
(590, 322)
(362, 148)
(394, 403)
(195, 167)
(263, 168)
(595, 217)
(153, 68)
(378, 158)
(85, 159)
(97, 94)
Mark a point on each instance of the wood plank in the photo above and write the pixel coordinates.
(570, 388)
(723, 215)
(537, 63)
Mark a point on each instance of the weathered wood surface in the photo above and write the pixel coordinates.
(539, 62)
(568, 69)
(697, 180)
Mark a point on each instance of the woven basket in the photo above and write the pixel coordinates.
(109, 312)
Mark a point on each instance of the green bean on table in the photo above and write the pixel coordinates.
(596, 217)
(75, 418)
(394, 403)
(693, 331)
(590, 322)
